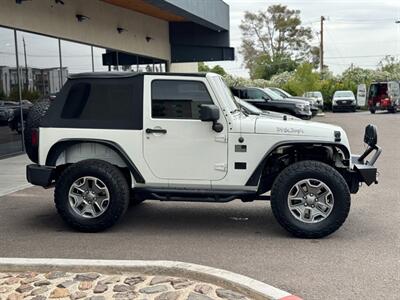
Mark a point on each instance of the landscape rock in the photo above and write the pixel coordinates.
(96, 298)
(42, 283)
(39, 297)
(24, 288)
(168, 296)
(11, 281)
(125, 295)
(39, 291)
(134, 280)
(4, 289)
(15, 296)
(203, 289)
(87, 277)
(78, 295)
(194, 296)
(85, 285)
(120, 288)
(100, 288)
(160, 279)
(154, 289)
(60, 293)
(55, 275)
(229, 295)
(66, 284)
(181, 283)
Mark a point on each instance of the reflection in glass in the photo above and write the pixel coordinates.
(10, 139)
(39, 59)
(77, 58)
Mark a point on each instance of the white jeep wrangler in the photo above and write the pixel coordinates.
(113, 138)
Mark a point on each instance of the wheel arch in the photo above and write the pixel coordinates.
(254, 179)
(61, 146)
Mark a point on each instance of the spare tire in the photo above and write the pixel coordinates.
(35, 116)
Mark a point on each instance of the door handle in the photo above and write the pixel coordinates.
(162, 131)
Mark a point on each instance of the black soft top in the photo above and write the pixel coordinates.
(105, 75)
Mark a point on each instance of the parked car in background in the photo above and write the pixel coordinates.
(266, 99)
(6, 110)
(381, 95)
(286, 95)
(317, 96)
(250, 109)
(344, 101)
(14, 121)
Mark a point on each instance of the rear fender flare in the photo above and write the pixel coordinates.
(57, 149)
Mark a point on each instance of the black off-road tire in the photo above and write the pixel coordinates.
(324, 173)
(114, 180)
(33, 120)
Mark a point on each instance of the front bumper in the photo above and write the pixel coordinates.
(365, 170)
(40, 175)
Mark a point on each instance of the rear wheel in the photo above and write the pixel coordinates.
(91, 195)
(310, 199)
(372, 110)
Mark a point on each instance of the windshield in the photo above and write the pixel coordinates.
(342, 94)
(272, 94)
(313, 94)
(234, 106)
(283, 93)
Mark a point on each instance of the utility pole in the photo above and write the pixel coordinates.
(26, 67)
(321, 48)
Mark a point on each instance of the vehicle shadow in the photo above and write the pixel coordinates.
(173, 218)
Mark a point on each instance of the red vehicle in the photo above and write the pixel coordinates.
(384, 96)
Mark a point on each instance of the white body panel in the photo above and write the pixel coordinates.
(191, 153)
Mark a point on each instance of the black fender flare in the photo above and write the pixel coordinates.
(256, 175)
(64, 144)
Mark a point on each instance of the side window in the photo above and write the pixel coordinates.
(254, 94)
(178, 99)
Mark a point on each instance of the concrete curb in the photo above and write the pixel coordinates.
(245, 285)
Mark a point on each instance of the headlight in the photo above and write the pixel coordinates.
(301, 106)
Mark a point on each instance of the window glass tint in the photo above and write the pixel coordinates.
(254, 94)
(103, 101)
(175, 99)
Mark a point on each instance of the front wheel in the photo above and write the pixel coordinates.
(310, 199)
(91, 195)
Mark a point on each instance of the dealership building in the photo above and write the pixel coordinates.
(42, 41)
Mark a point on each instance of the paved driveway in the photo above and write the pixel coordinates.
(360, 261)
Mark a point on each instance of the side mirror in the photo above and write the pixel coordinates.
(371, 135)
(266, 98)
(210, 113)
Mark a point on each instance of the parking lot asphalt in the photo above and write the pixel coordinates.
(360, 261)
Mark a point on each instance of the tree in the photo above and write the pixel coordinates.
(274, 36)
(202, 67)
(389, 64)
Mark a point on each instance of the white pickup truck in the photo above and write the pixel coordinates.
(111, 138)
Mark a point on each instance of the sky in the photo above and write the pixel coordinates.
(359, 32)
(356, 31)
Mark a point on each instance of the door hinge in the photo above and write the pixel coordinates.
(221, 138)
(221, 167)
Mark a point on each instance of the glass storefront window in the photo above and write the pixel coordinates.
(39, 61)
(77, 58)
(10, 137)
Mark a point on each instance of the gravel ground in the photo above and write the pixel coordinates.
(96, 286)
